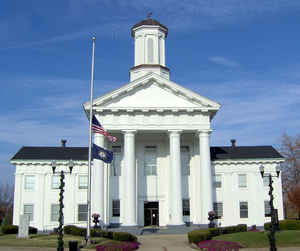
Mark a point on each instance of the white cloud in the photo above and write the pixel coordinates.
(224, 61)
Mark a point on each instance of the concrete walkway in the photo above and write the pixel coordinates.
(155, 243)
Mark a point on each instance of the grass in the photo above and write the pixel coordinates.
(289, 238)
(47, 241)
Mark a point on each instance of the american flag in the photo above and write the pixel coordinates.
(97, 128)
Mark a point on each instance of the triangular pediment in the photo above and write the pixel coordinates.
(153, 91)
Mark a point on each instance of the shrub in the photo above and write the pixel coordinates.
(123, 236)
(12, 229)
(33, 230)
(206, 234)
(9, 229)
(215, 231)
(74, 230)
(285, 225)
(199, 235)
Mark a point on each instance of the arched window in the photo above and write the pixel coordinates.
(150, 50)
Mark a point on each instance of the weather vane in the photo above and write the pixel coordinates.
(149, 15)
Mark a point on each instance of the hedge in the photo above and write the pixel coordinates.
(119, 236)
(197, 236)
(285, 225)
(12, 229)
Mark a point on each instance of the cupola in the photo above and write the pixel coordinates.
(149, 48)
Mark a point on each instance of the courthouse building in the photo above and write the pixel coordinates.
(164, 170)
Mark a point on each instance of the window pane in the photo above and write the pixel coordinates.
(150, 160)
(54, 212)
(55, 182)
(82, 212)
(186, 207)
(116, 208)
(267, 209)
(266, 181)
(218, 208)
(218, 180)
(29, 182)
(116, 163)
(83, 182)
(185, 160)
(28, 210)
(244, 209)
(242, 180)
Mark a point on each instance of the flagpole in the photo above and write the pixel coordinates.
(88, 232)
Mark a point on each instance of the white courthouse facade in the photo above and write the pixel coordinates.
(164, 170)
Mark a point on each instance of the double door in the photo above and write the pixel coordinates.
(151, 213)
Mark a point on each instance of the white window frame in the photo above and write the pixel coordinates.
(29, 186)
(31, 214)
(151, 167)
(218, 181)
(267, 208)
(244, 210)
(52, 218)
(85, 212)
(116, 208)
(218, 208)
(55, 185)
(186, 209)
(266, 180)
(241, 185)
(82, 185)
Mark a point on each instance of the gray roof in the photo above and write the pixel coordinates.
(149, 21)
(81, 153)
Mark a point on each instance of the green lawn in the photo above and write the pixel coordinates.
(289, 238)
(46, 241)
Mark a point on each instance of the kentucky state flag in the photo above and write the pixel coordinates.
(102, 154)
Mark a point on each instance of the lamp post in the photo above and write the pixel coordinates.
(273, 224)
(60, 243)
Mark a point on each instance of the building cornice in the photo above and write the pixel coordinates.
(48, 162)
(248, 161)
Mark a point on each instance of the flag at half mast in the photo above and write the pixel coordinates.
(97, 128)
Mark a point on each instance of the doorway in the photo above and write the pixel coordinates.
(151, 213)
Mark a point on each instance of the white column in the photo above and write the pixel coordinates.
(175, 188)
(98, 181)
(129, 180)
(206, 191)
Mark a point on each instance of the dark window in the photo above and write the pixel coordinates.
(243, 209)
(218, 208)
(82, 212)
(186, 207)
(267, 208)
(185, 160)
(116, 163)
(116, 208)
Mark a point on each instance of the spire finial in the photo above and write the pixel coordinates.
(149, 15)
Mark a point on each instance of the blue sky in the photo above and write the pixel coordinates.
(242, 54)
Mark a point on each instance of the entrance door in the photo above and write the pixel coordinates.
(151, 213)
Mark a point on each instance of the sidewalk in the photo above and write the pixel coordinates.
(154, 243)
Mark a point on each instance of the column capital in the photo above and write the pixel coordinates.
(129, 132)
(174, 132)
(204, 133)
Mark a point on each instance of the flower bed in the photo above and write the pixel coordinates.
(125, 246)
(216, 245)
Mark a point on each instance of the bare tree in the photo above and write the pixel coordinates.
(290, 149)
(6, 201)
(294, 198)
